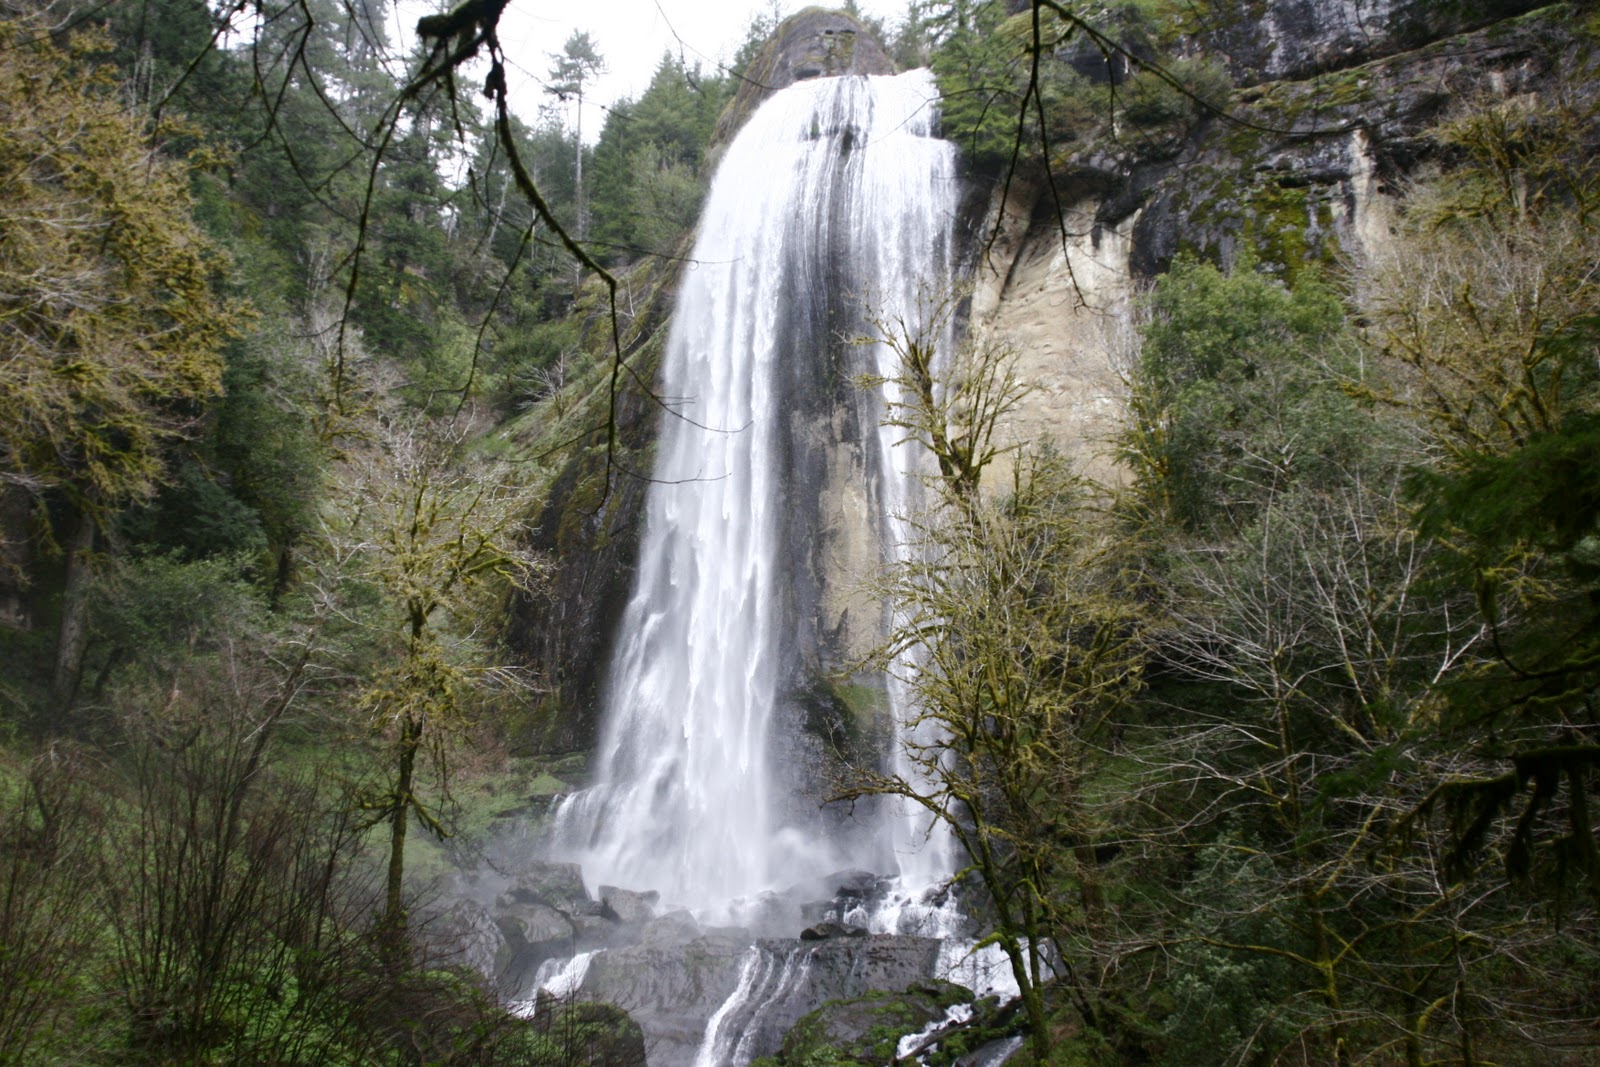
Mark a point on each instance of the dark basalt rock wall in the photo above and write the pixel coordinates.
(816, 43)
(1299, 38)
(1272, 40)
(1292, 165)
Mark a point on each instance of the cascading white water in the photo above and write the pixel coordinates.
(767, 979)
(833, 182)
(560, 979)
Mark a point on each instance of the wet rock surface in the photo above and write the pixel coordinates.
(483, 946)
(627, 906)
(673, 928)
(826, 929)
(546, 882)
(536, 929)
(866, 1030)
(670, 989)
(684, 984)
(787, 980)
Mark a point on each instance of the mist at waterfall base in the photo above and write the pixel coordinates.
(834, 182)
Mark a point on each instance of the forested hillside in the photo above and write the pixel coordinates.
(263, 308)
(327, 407)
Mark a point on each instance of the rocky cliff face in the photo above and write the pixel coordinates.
(1305, 165)
(1298, 39)
(589, 529)
(816, 43)
(1330, 114)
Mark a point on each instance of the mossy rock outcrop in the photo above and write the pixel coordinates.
(590, 523)
(864, 1031)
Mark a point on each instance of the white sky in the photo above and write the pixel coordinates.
(631, 35)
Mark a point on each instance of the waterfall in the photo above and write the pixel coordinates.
(556, 978)
(768, 979)
(835, 186)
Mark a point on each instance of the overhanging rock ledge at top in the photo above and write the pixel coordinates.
(815, 43)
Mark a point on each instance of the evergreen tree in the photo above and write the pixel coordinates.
(110, 332)
(571, 70)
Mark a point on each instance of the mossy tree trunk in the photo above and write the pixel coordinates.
(73, 635)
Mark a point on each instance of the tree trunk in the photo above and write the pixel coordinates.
(394, 912)
(73, 635)
(1327, 966)
(1032, 998)
(582, 228)
(16, 543)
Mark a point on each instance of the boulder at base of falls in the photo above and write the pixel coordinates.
(671, 989)
(481, 943)
(595, 1035)
(828, 928)
(534, 933)
(627, 906)
(673, 928)
(866, 1030)
(556, 885)
(757, 991)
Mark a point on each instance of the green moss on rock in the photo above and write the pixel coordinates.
(864, 1031)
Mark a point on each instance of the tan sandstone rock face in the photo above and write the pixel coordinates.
(1061, 302)
(1062, 296)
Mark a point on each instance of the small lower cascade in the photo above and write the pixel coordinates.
(558, 979)
(769, 981)
(911, 1045)
(986, 971)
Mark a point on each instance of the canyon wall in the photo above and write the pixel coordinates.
(1304, 163)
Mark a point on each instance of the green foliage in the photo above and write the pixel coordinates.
(153, 611)
(265, 439)
(1016, 654)
(1181, 91)
(428, 541)
(1226, 999)
(1492, 323)
(48, 837)
(1362, 752)
(864, 1031)
(110, 322)
(649, 167)
(157, 50)
(578, 62)
(1000, 105)
(1238, 392)
(196, 516)
(982, 69)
